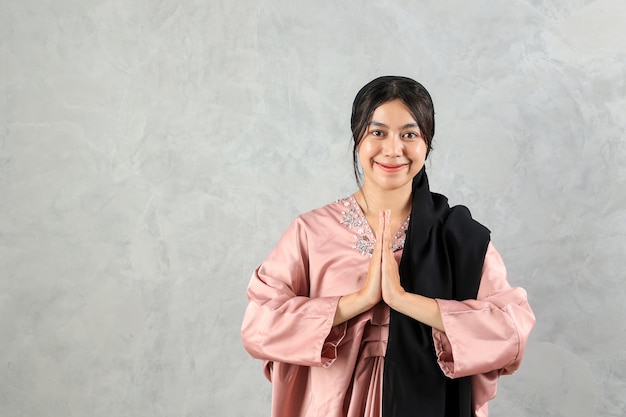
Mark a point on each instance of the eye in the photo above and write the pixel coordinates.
(411, 135)
(377, 133)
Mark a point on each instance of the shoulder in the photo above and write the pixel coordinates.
(324, 223)
(331, 213)
(464, 236)
(460, 221)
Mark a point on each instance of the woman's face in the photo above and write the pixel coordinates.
(392, 150)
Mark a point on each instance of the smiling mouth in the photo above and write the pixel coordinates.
(390, 168)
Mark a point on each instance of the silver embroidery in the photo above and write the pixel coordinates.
(364, 244)
(400, 237)
(353, 217)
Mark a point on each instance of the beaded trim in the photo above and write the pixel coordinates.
(354, 218)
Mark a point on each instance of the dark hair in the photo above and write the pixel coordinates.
(382, 90)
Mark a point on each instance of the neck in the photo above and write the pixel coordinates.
(373, 200)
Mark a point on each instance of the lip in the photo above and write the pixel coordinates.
(391, 167)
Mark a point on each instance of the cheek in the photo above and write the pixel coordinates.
(366, 151)
(418, 151)
(423, 149)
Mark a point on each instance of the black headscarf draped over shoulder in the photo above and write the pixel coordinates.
(443, 258)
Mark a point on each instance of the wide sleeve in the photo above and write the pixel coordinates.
(487, 334)
(282, 323)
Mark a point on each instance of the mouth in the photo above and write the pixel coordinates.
(391, 167)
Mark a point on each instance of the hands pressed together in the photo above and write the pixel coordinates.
(383, 277)
(383, 283)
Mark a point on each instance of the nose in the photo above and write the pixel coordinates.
(393, 146)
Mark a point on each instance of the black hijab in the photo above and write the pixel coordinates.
(443, 258)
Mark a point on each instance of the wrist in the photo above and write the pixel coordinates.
(368, 300)
(395, 300)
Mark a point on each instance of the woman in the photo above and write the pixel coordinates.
(387, 302)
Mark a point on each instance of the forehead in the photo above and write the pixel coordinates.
(393, 112)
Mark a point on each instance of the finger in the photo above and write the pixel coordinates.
(378, 236)
(387, 230)
(378, 242)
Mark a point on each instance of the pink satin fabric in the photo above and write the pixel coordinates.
(320, 370)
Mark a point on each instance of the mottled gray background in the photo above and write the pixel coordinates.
(152, 152)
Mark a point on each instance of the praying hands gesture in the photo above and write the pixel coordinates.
(383, 283)
(383, 277)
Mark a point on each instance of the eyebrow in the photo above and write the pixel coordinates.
(406, 126)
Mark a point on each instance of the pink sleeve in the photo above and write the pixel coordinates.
(281, 322)
(487, 335)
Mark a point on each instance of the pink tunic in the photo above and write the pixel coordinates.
(320, 370)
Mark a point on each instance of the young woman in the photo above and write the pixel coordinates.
(388, 302)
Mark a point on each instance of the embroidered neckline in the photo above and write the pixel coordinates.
(354, 218)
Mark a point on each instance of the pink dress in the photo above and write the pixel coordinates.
(318, 370)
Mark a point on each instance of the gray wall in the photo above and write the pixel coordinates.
(152, 152)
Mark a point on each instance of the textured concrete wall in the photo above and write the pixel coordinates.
(152, 152)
